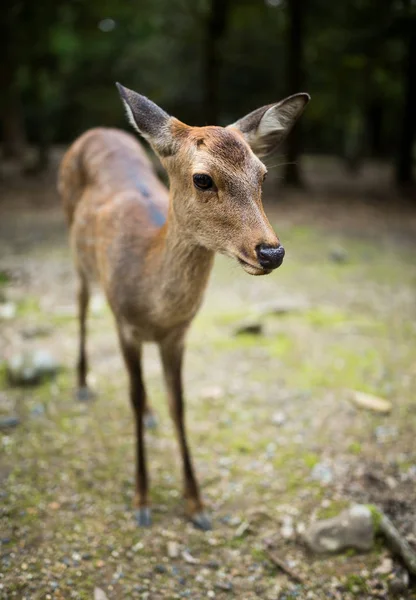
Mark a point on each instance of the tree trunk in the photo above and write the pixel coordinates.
(215, 30)
(404, 173)
(295, 78)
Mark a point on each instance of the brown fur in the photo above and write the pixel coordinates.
(154, 274)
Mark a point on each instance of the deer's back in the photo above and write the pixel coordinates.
(115, 205)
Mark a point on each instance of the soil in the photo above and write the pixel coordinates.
(263, 410)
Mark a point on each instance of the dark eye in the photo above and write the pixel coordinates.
(264, 176)
(202, 181)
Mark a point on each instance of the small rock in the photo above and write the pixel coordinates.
(322, 472)
(9, 422)
(34, 331)
(187, 557)
(173, 549)
(249, 328)
(385, 567)
(225, 586)
(160, 569)
(99, 594)
(7, 310)
(371, 402)
(353, 528)
(30, 368)
(338, 255)
(287, 531)
(278, 418)
(242, 529)
(213, 392)
(399, 584)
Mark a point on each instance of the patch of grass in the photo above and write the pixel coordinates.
(4, 277)
(325, 317)
(355, 448)
(28, 306)
(356, 585)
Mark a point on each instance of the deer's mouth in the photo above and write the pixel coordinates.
(252, 269)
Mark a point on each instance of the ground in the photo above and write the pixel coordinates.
(262, 412)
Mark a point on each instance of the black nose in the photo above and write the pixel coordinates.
(270, 257)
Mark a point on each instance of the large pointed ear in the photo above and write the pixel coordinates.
(265, 128)
(148, 119)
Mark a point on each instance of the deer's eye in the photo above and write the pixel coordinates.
(202, 181)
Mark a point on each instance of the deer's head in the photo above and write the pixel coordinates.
(216, 176)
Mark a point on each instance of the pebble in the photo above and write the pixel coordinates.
(9, 422)
(225, 586)
(173, 549)
(352, 528)
(322, 472)
(249, 328)
(371, 402)
(7, 310)
(30, 368)
(338, 255)
(278, 418)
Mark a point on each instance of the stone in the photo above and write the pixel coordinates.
(173, 549)
(9, 422)
(371, 402)
(278, 418)
(338, 255)
(7, 310)
(31, 368)
(249, 328)
(352, 528)
(322, 472)
(99, 594)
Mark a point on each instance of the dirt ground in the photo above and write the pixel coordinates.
(275, 437)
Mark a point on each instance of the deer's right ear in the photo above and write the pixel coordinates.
(148, 119)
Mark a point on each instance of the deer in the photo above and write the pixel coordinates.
(151, 249)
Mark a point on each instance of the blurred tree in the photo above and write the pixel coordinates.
(211, 61)
(216, 26)
(408, 125)
(12, 117)
(295, 82)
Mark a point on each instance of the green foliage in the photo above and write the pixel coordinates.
(67, 56)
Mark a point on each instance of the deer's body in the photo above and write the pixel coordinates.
(153, 279)
(152, 250)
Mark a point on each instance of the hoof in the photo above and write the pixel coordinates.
(150, 420)
(84, 394)
(143, 517)
(202, 521)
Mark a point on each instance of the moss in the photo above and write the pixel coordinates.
(355, 448)
(4, 277)
(356, 584)
(310, 459)
(376, 516)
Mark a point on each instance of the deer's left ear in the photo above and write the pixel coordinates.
(265, 128)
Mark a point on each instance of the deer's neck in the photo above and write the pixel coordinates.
(183, 269)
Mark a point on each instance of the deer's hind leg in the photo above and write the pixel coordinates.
(83, 297)
(132, 358)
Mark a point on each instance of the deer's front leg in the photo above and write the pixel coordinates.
(132, 359)
(172, 357)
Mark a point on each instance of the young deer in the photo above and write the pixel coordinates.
(152, 250)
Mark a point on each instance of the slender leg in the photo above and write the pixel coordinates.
(171, 350)
(83, 392)
(132, 359)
